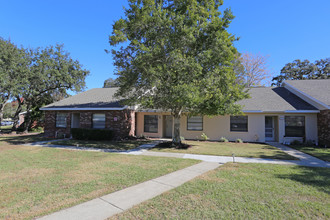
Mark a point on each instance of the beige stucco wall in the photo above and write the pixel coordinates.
(219, 126)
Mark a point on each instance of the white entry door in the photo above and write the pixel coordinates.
(269, 128)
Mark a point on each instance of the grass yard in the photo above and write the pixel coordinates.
(244, 191)
(35, 181)
(321, 153)
(22, 139)
(227, 149)
(118, 145)
(6, 127)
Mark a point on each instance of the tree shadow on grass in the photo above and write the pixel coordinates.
(313, 176)
(23, 139)
(171, 145)
(319, 152)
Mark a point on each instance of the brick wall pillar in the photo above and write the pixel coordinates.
(323, 124)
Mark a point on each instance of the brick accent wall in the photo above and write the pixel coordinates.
(323, 124)
(121, 122)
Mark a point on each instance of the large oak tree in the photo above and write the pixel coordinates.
(301, 70)
(177, 56)
(36, 77)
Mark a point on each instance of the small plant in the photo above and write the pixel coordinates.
(204, 137)
(295, 142)
(238, 140)
(223, 139)
(310, 143)
(182, 138)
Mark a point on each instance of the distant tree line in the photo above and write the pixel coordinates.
(36, 77)
(301, 70)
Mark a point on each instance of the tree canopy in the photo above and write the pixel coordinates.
(37, 77)
(109, 83)
(252, 69)
(178, 57)
(299, 70)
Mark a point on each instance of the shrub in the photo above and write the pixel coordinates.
(295, 142)
(91, 134)
(238, 140)
(310, 143)
(223, 139)
(204, 137)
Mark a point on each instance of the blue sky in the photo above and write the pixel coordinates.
(285, 29)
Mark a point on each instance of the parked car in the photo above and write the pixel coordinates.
(4, 123)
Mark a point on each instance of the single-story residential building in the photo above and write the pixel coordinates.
(299, 110)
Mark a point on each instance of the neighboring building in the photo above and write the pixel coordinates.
(317, 93)
(282, 114)
(95, 108)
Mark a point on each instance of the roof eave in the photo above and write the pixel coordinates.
(83, 109)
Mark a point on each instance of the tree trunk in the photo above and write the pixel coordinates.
(18, 111)
(27, 120)
(16, 116)
(176, 137)
(2, 106)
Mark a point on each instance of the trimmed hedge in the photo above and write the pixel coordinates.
(91, 134)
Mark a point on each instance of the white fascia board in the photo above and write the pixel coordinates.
(286, 111)
(302, 111)
(82, 109)
(252, 111)
(305, 96)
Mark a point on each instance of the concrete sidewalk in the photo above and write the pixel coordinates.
(304, 159)
(225, 159)
(114, 203)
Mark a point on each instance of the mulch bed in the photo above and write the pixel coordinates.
(170, 144)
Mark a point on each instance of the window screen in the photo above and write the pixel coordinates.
(99, 121)
(294, 126)
(61, 120)
(151, 123)
(239, 123)
(195, 123)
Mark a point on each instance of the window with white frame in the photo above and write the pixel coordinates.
(61, 120)
(151, 123)
(239, 123)
(195, 123)
(99, 121)
(294, 126)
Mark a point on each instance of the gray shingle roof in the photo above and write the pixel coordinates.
(273, 99)
(94, 98)
(318, 88)
(262, 99)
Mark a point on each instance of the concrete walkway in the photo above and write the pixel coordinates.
(114, 203)
(304, 159)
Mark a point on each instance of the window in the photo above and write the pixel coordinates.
(195, 123)
(294, 126)
(151, 123)
(61, 120)
(239, 123)
(98, 120)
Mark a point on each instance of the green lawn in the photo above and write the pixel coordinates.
(6, 127)
(227, 149)
(35, 181)
(118, 145)
(322, 153)
(244, 191)
(23, 139)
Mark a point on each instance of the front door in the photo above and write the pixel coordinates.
(269, 128)
(168, 126)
